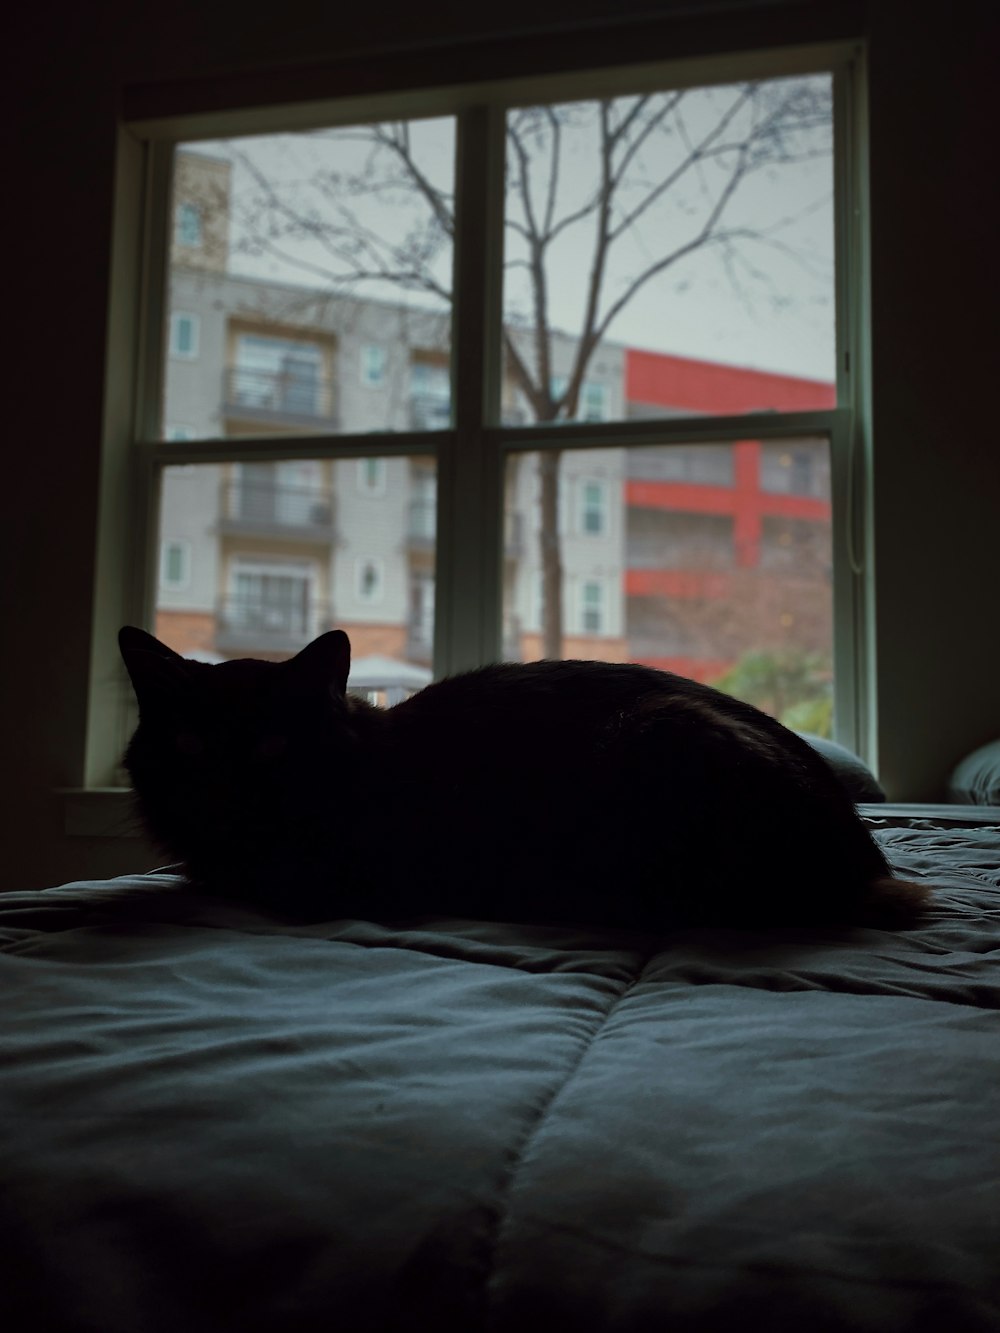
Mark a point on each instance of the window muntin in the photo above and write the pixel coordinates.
(428, 396)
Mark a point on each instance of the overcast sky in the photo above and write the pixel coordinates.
(768, 305)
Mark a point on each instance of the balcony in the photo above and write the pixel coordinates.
(263, 625)
(270, 509)
(421, 524)
(283, 398)
(430, 411)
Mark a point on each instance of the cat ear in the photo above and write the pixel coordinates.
(153, 668)
(324, 663)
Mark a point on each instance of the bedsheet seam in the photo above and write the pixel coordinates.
(502, 1212)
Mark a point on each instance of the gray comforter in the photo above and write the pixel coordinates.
(214, 1119)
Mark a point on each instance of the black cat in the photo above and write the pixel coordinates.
(574, 791)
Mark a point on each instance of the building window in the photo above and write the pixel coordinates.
(593, 508)
(175, 565)
(369, 577)
(271, 602)
(371, 475)
(594, 402)
(280, 376)
(185, 331)
(373, 365)
(592, 607)
(189, 226)
(430, 396)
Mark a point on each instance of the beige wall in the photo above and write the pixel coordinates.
(938, 469)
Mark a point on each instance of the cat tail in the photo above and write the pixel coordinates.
(893, 904)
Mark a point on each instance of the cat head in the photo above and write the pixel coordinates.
(159, 674)
(233, 762)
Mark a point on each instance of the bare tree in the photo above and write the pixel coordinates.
(662, 179)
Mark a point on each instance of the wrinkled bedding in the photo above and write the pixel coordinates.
(217, 1119)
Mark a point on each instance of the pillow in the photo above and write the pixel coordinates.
(853, 772)
(976, 779)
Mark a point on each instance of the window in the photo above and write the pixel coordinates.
(430, 391)
(184, 333)
(594, 402)
(373, 363)
(371, 476)
(593, 508)
(664, 515)
(188, 231)
(369, 579)
(591, 607)
(175, 565)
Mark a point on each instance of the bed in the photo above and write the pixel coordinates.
(218, 1119)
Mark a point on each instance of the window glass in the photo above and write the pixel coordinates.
(317, 253)
(680, 243)
(275, 553)
(666, 255)
(721, 576)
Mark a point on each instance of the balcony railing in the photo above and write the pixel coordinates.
(420, 642)
(268, 625)
(263, 508)
(278, 397)
(422, 526)
(429, 412)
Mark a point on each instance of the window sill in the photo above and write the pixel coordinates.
(99, 812)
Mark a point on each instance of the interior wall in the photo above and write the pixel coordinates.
(936, 456)
(937, 475)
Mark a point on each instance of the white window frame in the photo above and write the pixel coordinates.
(471, 454)
(176, 351)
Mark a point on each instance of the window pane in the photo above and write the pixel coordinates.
(316, 269)
(714, 562)
(684, 241)
(278, 553)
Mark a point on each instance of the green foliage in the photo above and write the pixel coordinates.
(793, 686)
